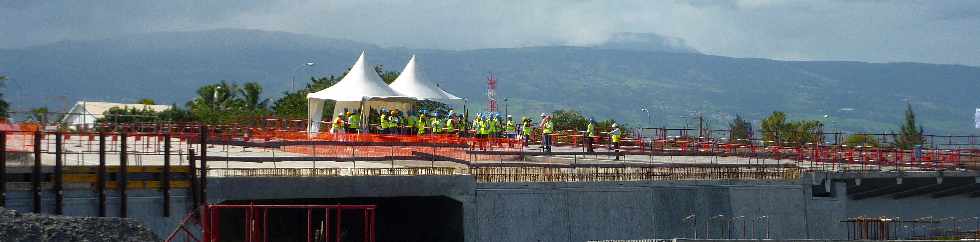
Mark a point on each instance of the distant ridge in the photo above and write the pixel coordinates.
(614, 79)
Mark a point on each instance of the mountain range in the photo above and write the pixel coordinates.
(615, 79)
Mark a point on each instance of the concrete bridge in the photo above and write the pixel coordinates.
(458, 208)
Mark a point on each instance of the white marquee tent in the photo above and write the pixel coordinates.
(361, 88)
(411, 83)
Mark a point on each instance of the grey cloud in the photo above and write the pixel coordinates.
(942, 31)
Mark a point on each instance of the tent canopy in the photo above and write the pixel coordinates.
(361, 82)
(411, 83)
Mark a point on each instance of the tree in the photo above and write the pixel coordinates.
(909, 135)
(147, 101)
(217, 103)
(251, 94)
(775, 128)
(387, 76)
(862, 140)
(40, 115)
(432, 106)
(772, 125)
(176, 114)
(294, 105)
(803, 132)
(569, 120)
(128, 115)
(4, 106)
(740, 129)
(291, 105)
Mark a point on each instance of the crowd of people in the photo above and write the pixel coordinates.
(483, 125)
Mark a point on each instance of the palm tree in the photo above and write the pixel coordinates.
(251, 95)
(221, 96)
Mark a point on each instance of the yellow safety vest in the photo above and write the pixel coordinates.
(354, 121)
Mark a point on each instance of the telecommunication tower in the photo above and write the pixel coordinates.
(492, 93)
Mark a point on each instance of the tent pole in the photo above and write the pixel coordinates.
(364, 117)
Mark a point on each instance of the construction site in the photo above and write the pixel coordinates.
(379, 179)
(191, 182)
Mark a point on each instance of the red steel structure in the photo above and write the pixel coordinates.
(256, 222)
(492, 93)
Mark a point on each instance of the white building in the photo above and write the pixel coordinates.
(84, 114)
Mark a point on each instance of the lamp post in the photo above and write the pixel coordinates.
(649, 118)
(292, 79)
(505, 108)
(214, 99)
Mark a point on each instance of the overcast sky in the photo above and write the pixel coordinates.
(934, 31)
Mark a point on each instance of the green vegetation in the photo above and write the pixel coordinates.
(293, 105)
(40, 114)
(4, 106)
(909, 135)
(862, 140)
(128, 115)
(777, 130)
(740, 129)
(567, 119)
(147, 101)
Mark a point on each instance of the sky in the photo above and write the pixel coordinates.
(934, 31)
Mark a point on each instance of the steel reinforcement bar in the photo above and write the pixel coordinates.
(533, 174)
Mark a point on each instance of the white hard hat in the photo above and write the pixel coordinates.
(543, 114)
(614, 125)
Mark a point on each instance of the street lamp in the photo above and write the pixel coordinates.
(649, 118)
(292, 79)
(214, 99)
(505, 108)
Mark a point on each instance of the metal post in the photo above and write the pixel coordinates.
(166, 175)
(100, 176)
(123, 173)
(340, 211)
(59, 194)
(191, 163)
(309, 225)
(36, 174)
(204, 165)
(3, 169)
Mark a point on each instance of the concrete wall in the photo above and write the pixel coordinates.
(615, 210)
(636, 210)
(145, 205)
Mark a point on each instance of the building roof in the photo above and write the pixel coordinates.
(96, 109)
(411, 83)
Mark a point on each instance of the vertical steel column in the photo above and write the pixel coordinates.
(36, 174)
(204, 165)
(166, 175)
(100, 176)
(309, 225)
(340, 211)
(123, 180)
(326, 224)
(3, 169)
(59, 193)
(191, 163)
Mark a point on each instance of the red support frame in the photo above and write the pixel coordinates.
(257, 228)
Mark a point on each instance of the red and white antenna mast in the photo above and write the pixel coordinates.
(492, 93)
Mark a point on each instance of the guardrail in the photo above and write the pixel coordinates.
(533, 174)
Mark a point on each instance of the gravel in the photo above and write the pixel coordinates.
(16, 226)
